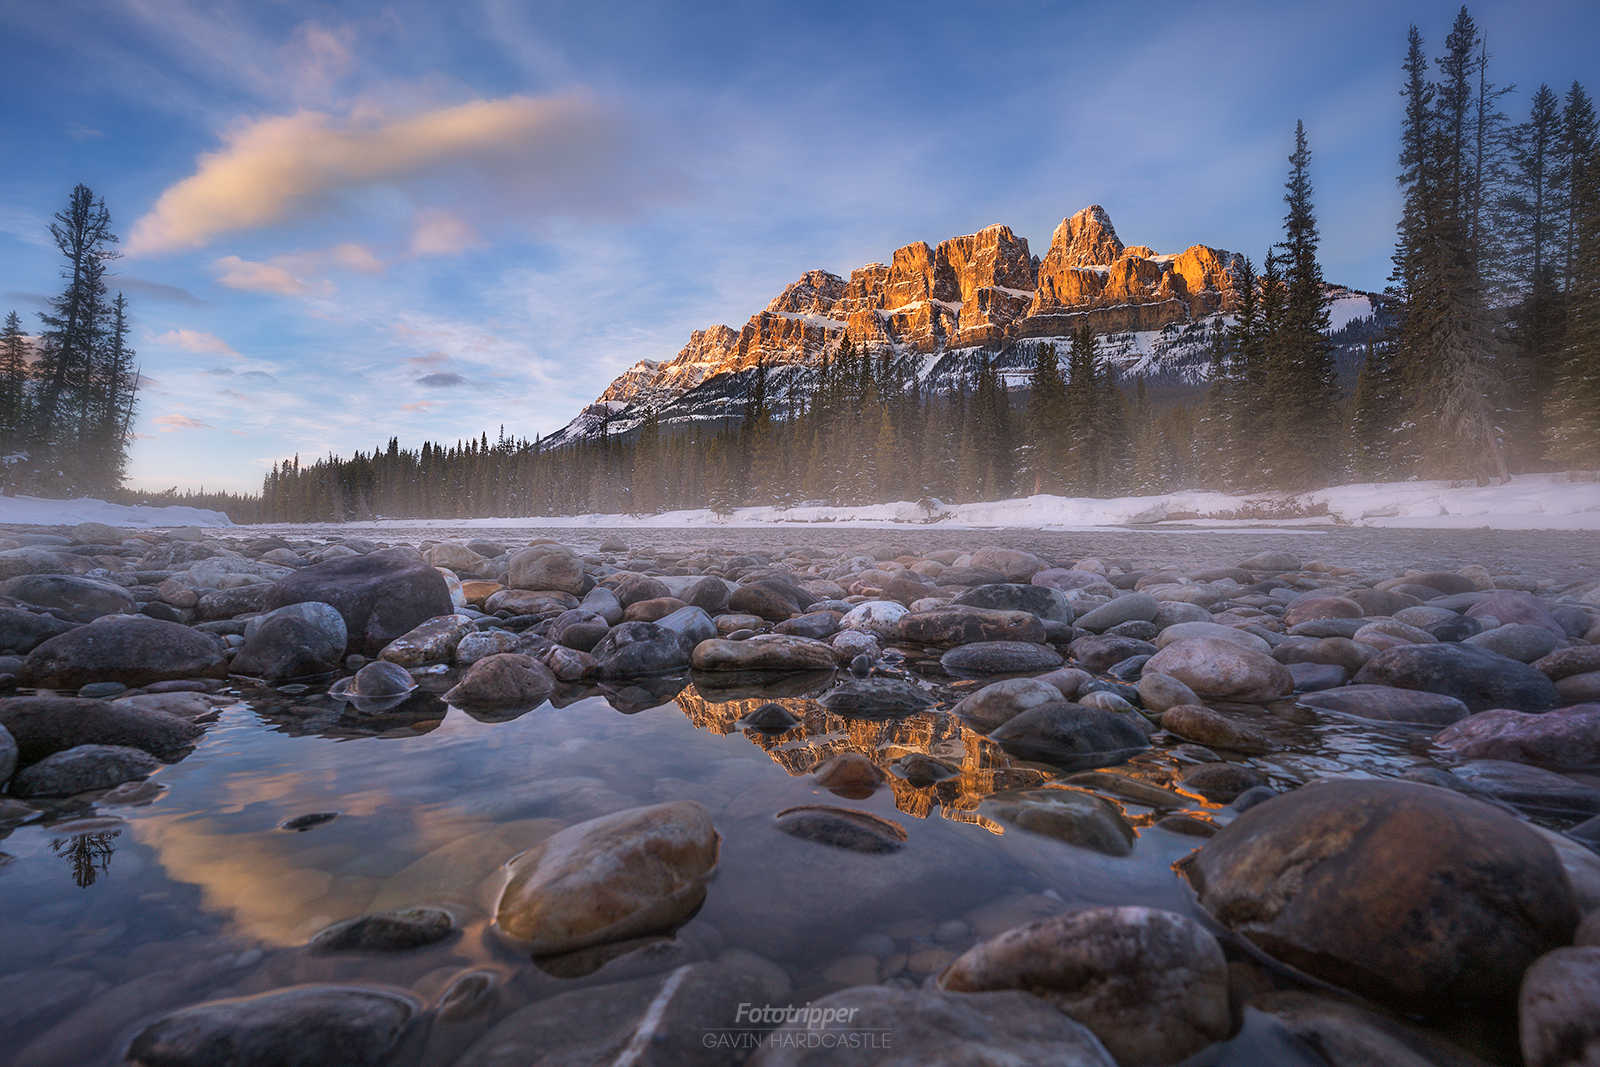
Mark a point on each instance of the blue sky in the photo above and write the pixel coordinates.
(344, 222)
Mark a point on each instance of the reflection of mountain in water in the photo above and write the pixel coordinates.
(821, 735)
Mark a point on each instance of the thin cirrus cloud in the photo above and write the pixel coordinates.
(197, 341)
(174, 423)
(548, 154)
(444, 380)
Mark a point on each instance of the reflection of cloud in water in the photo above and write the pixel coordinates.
(400, 838)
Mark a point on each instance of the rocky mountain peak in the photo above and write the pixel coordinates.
(981, 290)
(1087, 239)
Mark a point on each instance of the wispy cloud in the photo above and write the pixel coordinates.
(157, 291)
(442, 381)
(442, 233)
(174, 423)
(83, 133)
(197, 341)
(553, 151)
(264, 278)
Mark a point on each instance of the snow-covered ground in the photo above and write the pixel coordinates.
(1527, 502)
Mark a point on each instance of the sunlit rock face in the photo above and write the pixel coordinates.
(931, 303)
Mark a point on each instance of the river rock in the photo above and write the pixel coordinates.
(480, 643)
(1477, 677)
(547, 566)
(694, 623)
(503, 680)
(379, 596)
(1566, 738)
(41, 726)
(296, 641)
(954, 626)
(1015, 565)
(381, 682)
(1223, 670)
(81, 599)
(635, 648)
(1415, 896)
(1530, 789)
(1039, 600)
(1001, 657)
(876, 698)
(1159, 692)
(1150, 984)
(604, 603)
(1512, 606)
(434, 641)
(1517, 640)
(82, 768)
(311, 1026)
(1343, 1035)
(1559, 1009)
(1100, 652)
(1182, 630)
(1580, 688)
(850, 774)
(8, 755)
(846, 828)
(235, 600)
(1199, 724)
(620, 876)
(928, 1026)
(1565, 662)
(16, 562)
(767, 652)
(529, 601)
(1222, 783)
(1070, 736)
(687, 1015)
(817, 625)
(770, 599)
(22, 631)
(1000, 702)
(1385, 703)
(1070, 815)
(1321, 606)
(130, 649)
(1126, 608)
(385, 931)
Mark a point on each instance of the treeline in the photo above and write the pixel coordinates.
(68, 395)
(1492, 366)
(1495, 367)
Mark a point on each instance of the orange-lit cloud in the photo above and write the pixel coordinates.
(260, 277)
(440, 233)
(197, 341)
(173, 423)
(418, 406)
(290, 166)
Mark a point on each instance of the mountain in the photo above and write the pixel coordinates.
(947, 306)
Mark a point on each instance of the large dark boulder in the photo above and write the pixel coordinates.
(1477, 677)
(380, 596)
(1071, 736)
(635, 648)
(22, 630)
(1038, 600)
(131, 649)
(43, 726)
(82, 599)
(1415, 896)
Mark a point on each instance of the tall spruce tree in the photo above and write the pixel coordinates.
(1574, 406)
(1300, 371)
(1048, 427)
(13, 383)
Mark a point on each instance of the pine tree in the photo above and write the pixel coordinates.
(1573, 148)
(13, 383)
(73, 336)
(1574, 406)
(1048, 427)
(1300, 372)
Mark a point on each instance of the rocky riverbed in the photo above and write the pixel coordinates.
(798, 796)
